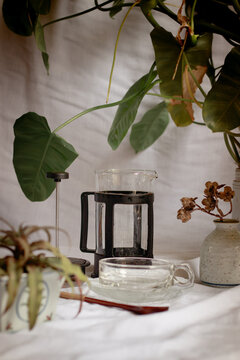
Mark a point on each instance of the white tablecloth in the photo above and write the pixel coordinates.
(202, 323)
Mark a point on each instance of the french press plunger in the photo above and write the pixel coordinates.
(123, 215)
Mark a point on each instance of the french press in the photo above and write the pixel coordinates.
(123, 215)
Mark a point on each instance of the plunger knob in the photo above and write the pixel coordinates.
(58, 176)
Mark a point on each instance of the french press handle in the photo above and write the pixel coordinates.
(84, 222)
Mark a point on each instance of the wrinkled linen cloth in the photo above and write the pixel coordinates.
(201, 323)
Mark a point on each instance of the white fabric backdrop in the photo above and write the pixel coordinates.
(81, 53)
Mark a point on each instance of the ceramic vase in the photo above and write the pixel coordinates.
(220, 255)
(16, 318)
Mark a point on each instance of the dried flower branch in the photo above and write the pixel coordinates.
(212, 195)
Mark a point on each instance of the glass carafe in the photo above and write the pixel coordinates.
(123, 214)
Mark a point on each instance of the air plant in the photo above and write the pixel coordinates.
(212, 195)
(27, 256)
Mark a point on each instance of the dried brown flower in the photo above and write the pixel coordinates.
(209, 203)
(184, 215)
(188, 203)
(227, 194)
(211, 188)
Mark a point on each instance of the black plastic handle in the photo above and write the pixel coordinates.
(84, 222)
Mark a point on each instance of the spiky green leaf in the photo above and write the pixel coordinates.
(14, 275)
(59, 262)
(2, 272)
(35, 294)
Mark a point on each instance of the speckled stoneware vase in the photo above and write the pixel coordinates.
(220, 255)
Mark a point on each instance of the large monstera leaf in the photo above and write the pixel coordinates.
(37, 151)
(221, 109)
(167, 52)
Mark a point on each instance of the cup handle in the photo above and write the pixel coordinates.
(188, 282)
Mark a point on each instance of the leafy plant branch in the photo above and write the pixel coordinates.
(189, 58)
(103, 106)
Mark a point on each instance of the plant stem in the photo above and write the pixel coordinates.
(148, 15)
(234, 142)
(232, 133)
(77, 14)
(216, 203)
(207, 212)
(85, 112)
(98, 107)
(236, 6)
(192, 15)
(233, 155)
(190, 90)
(198, 123)
(208, 27)
(115, 48)
(220, 215)
(165, 10)
(171, 97)
(101, 8)
(180, 55)
(194, 78)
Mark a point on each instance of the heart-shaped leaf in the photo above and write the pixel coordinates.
(37, 151)
(17, 16)
(221, 109)
(127, 111)
(150, 128)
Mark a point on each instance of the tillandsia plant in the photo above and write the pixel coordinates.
(182, 60)
(22, 258)
(210, 203)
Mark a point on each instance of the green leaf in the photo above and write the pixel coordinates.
(221, 109)
(7, 241)
(35, 293)
(39, 37)
(41, 7)
(116, 7)
(17, 16)
(127, 111)
(14, 276)
(2, 272)
(24, 250)
(167, 51)
(36, 152)
(150, 128)
(59, 262)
